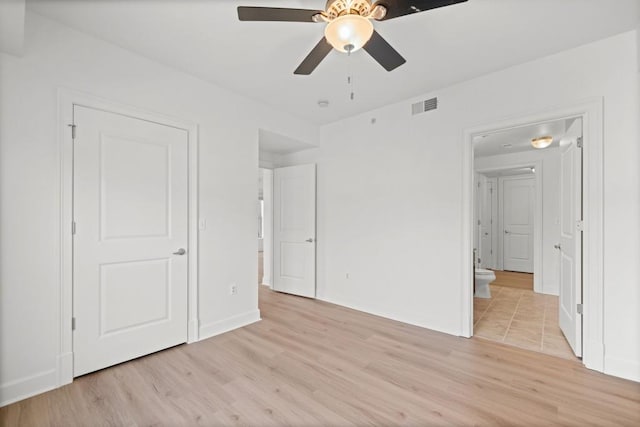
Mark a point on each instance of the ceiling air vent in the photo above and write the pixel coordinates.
(422, 106)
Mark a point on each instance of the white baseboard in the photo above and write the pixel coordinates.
(225, 325)
(25, 387)
(623, 368)
(386, 315)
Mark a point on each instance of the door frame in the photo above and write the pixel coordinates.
(537, 218)
(67, 99)
(591, 112)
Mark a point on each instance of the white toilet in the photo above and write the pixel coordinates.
(483, 278)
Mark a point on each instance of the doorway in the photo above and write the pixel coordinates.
(286, 215)
(591, 113)
(265, 226)
(71, 132)
(533, 186)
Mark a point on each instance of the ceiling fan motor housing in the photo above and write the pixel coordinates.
(336, 8)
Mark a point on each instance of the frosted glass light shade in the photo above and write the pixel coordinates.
(348, 30)
(542, 142)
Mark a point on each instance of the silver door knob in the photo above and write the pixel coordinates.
(309, 240)
(180, 251)
(557, 246)
(506, 232)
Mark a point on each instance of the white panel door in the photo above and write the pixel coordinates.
(130, 210)
(294, 230)
(571, 241)
(486, 225)
(517, 222)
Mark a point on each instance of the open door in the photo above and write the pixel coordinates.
(570, 246)
(294, 230)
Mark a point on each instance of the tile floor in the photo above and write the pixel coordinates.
(522, 318)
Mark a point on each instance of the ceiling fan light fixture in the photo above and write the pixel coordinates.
(348, 33)
(542, 142)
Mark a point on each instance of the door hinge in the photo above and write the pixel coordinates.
(478, 222)
(73, 227)
(579, 308)
(73, 131)
(579, 142)
(73, 323)
(580, 225)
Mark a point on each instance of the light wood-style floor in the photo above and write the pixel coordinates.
(513, 279)
(310, 363)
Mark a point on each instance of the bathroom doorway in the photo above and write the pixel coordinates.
(527, 197)
(265, 225)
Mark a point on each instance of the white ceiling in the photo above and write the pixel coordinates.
(275, 143)
(518, 140)
(442, 47)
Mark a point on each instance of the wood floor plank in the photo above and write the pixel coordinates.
(311, 363)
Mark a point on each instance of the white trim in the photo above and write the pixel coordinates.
(591, 111)
(28, 386)
(623, 368)
(67, 98)
(538, 264)
(230, 323)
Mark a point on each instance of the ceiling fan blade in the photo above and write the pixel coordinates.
(249, 13)
(314, 58)
(396, 8)
(382, 52)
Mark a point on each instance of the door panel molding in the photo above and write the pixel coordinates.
(67, 99)
(591, 112)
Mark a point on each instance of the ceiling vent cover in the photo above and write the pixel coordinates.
(422, 106)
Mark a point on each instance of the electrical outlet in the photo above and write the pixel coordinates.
(233, 290)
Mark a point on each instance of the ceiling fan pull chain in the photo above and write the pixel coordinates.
(349, 76)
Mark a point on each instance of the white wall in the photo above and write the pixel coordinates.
(549, 175)
(12, 26)
(390, 193)
(56, 56)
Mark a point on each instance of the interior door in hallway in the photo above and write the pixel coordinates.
(570, 246)
(130, 261)
(518, 195)
(294, 230)
(486, 229)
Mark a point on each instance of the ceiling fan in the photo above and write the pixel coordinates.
(349, 26)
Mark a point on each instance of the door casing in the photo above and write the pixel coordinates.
(66, 100)
(591, 112)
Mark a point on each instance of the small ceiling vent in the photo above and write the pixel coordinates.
(422, 106)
